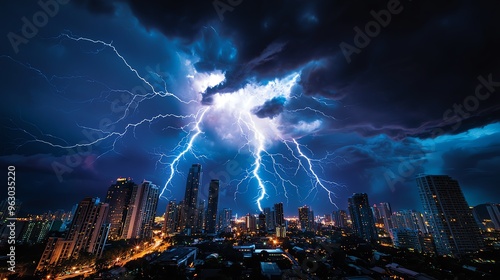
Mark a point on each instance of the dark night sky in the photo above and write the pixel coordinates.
(421, 95)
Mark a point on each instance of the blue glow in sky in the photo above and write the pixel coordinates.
(265, 101)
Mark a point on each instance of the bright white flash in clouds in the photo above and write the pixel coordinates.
(230, 110)
(232, 116)
(234, 119)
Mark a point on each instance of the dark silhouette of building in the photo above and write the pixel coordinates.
(362, 217)
(213, 200)
(225, 217)
(189, 220)
(132, 209)
(340, 218)
(171, 218)
(280, 216)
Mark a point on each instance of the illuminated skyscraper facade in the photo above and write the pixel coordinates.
(306, 217)
(450, 219)
(118, 198)
(141, 211)
(88, 233)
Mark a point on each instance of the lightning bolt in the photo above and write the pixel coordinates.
(257, 164)
(263, 161)
(317, 181)
(175, 162)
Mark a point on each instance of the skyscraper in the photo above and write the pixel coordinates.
(225, 217)
(384, 215)
(171, 218)
(213, 200)
(305, 218)
(261, 224)
(409, 219)
(200, 216)
(118, 198)
(269, 218)
(88, 228)
(191, 198)
(362, 217)
(141, 211)
(339, 218)
(406, 238)
(450, 219)
(132, 209)
(250, 222)
(279, 214)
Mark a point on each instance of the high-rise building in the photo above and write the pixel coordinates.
(141, 211)
(269, 218)
(487, 216)
(88, 229)
(250, 222)
(406, 238)
(171, 218)
(213, 200)
(450, 219)
(262, 223)
(362, 217)
(118, 198)
(279, 214)
(190, 218)
(225, 217)
(132, 209)
(88, 233)
(201, 216)
(409, 219)
(148, 206)
(340, 218)
(383, 214)
(305, 218)
(311, 221)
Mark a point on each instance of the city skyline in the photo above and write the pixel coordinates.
(304, 107)
(379, 210)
